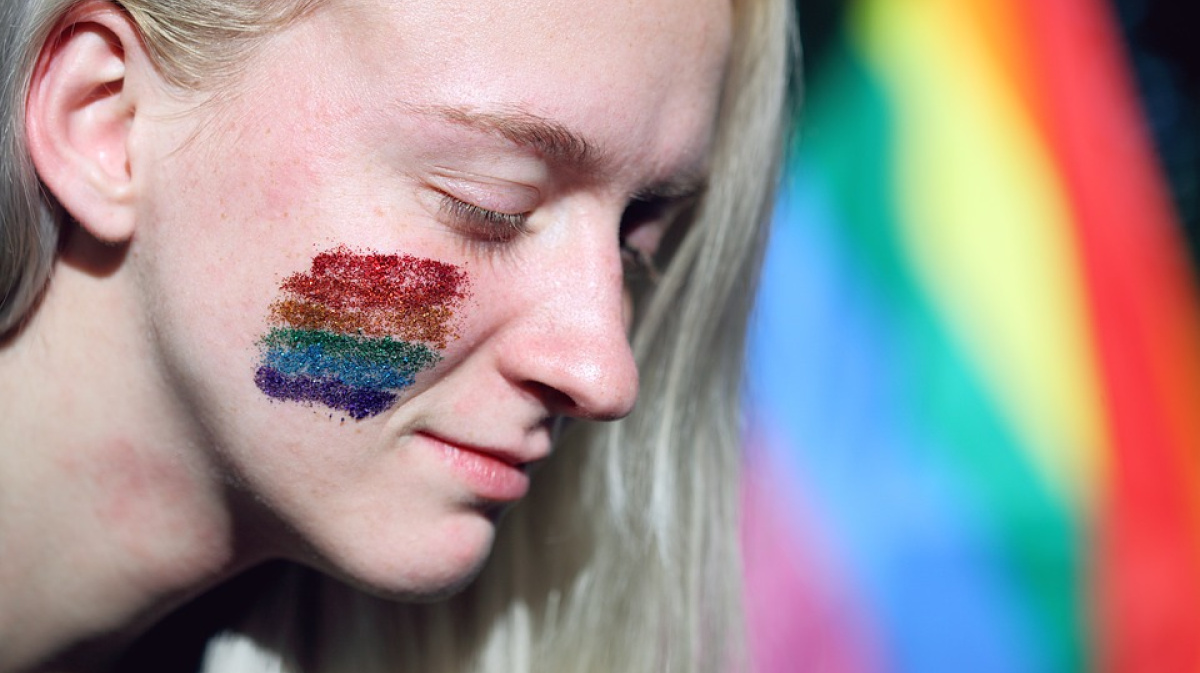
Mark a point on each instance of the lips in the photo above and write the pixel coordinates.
(491, 474)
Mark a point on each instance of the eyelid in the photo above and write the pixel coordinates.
(486, 192)
(482, 207)
(648, 216)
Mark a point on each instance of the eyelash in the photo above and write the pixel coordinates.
(642, 211)
(496, 227)
(488, 225)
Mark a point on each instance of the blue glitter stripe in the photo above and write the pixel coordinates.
(357, 372)
(358, 403)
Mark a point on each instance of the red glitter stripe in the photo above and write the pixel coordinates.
(341, 279)
(374, 294)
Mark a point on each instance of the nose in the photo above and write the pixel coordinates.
(570, 347)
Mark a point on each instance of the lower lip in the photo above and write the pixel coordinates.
(488, 477)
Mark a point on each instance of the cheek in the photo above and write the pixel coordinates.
(355, 331)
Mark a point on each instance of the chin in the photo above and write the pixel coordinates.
(420, 569)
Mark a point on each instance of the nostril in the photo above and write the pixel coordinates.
(567, 346)
(555, 400)
(598, 402)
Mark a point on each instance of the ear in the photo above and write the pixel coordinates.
(79, 114)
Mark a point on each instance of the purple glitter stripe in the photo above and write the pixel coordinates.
(358, 403)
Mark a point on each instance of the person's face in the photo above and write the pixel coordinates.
(485, 149)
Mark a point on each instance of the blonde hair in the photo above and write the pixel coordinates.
(624, 556)
(192, 42)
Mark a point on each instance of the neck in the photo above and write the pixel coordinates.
(109, 516)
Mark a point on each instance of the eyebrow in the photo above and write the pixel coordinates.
(559, 144)
(549, 138)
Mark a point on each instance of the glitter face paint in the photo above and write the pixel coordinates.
(355, 331)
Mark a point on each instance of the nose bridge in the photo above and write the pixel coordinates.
(582, 349)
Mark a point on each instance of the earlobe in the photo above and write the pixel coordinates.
(79, 114)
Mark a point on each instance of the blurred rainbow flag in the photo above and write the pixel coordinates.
(975, 396)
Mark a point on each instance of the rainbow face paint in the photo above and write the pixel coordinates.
(355, 331)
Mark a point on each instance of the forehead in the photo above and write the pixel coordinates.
(639, 81)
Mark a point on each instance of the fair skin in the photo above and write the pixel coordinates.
(140, 465)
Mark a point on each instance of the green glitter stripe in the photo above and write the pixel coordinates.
(382, 350)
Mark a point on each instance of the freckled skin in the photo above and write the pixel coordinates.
(355, 159)
(359, 126)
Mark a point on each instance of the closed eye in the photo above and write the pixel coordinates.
(481, 223)
(643, 225)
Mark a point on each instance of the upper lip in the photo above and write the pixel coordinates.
(517, 456)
